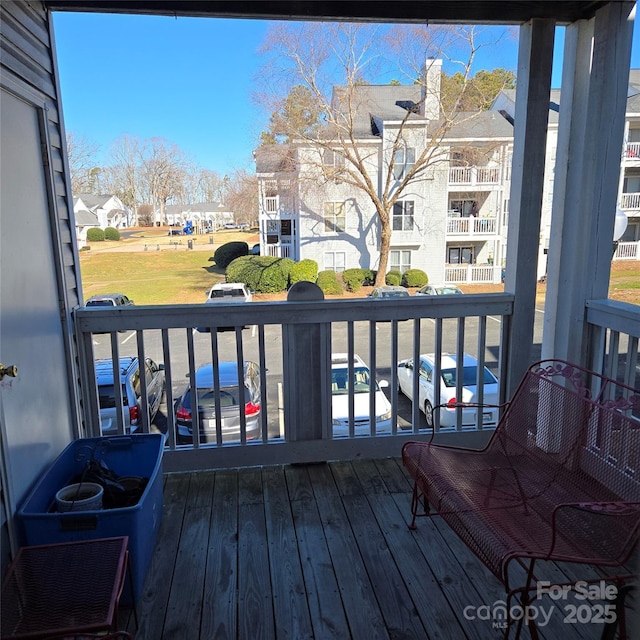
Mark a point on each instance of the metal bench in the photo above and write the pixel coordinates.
(559, 480)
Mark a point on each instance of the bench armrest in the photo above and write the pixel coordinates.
(589, 527)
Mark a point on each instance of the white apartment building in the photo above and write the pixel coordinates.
(452, 223)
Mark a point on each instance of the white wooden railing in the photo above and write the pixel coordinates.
(627, 251)
(472, 274)
(632, 150)
(474, 175)
(279, 250)
(471, 226)
(630, 201)
(292, 342)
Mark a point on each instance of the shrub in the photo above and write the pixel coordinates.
(369, 277)
(414, 278)
(264, 274)
(227, 253)
(354, 278)
(303, 270)
(111, 233)
(393, 278)
(95, 234)
(328, 282)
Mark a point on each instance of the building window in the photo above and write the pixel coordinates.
(403, 161)
(332, 158)
(400, 260)
(403, 216)
(335, 260)
(460, 255)
(334, 217)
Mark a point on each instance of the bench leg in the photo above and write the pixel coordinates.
(418, 499)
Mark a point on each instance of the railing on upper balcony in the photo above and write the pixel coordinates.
(632, 150)
(282, 250)
(630, 201)
(627, 251)
(471, 225)
(291, 342)
(472, 273)
(474, 175)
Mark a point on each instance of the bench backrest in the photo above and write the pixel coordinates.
(567, 420)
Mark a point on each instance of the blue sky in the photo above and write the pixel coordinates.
(187, 80)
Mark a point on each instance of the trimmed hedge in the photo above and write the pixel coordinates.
(264, 274)
(111, 233)
(95, 234)
(393, 278)
(328, 282)
(414, 278)
(225, 254)
(304, 270)
(353, 279)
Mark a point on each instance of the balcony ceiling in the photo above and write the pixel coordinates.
(467, 11)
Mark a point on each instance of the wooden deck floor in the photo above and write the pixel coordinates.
(317, 551)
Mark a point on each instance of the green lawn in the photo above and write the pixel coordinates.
(153, 277)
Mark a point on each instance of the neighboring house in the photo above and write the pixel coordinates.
(208, 214)
(85, 220)
(445, 224)
(109, 209)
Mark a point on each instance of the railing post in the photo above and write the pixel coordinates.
(306, 366)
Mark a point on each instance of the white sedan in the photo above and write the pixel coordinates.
(448, 386)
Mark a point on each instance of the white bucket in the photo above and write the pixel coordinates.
(85, 496)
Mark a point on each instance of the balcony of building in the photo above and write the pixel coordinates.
(476, 177)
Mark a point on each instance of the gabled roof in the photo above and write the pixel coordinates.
(482, 124)
(86, 218)
(93, 201)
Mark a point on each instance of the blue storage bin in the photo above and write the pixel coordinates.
(137, 455)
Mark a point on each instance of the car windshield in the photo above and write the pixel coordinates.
(340, 381)
(395, 294)
(447, 290)
(469, 376)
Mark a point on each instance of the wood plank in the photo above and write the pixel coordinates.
(219, 610)
(290, 606)
(400, 614)
(438, 618)
(362, 610)
(395, 476)
(182, 619)
(254, 584)
(156, 591)
(323, 595)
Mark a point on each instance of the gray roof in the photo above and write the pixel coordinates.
(93, 201)
(274, 158)
(482, 124)
(86, 218)
(380, 102)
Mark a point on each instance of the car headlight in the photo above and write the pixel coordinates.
(384, 416)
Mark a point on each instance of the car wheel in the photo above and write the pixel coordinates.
(428, 414)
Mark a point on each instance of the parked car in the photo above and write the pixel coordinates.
(255, 250)
(448, 382)
(361, 384)
(389, 291)
(130, 380)
(438, 290)
(230, 400)
(223, 292)
(109, 300)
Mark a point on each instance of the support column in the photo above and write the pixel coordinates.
(530, 133)
(591, 131)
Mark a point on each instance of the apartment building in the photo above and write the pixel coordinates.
(452, 221)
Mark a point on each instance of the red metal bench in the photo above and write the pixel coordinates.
(558, 481)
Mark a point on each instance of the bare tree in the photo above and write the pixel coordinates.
(81, 154)
(124, 172)
(164, 172)
(203, 185)
(241, 196)
(335, 63)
